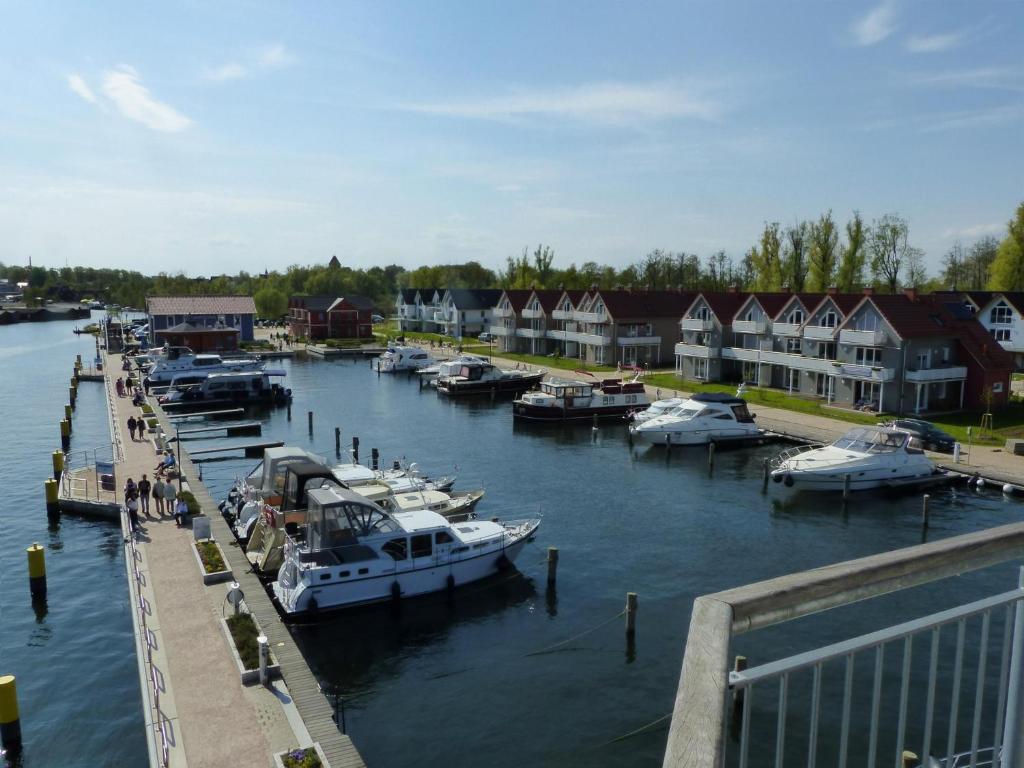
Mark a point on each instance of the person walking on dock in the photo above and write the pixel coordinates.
(180, 511)
(158, 494)
(168, 496)
(144, 488)
(131, 427)
(119, 386)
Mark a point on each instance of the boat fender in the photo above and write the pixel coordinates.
(980, 484)
(396, 591)
(788, 481)
(777, 478)
(268, 515)
(1008, 489)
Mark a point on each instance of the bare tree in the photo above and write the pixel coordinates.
(914, 268)
(794, 266)
(954, 268)
(889, 247)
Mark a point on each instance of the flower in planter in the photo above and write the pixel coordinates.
(302, 758)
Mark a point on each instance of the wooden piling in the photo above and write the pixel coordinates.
(668, 444)
(65, 435)
(58, 464)
(711, 457)
(374, 459)
(355, 449)
(764, 475)
(309, 418)
(67, 413)
(924, 510)
(846, 487)
(631, 606)
(72, 395)
(552, 565)
(337, 441)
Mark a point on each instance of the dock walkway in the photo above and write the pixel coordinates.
(191, 683)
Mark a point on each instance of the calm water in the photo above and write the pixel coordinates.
(78, 683)
(453, 683)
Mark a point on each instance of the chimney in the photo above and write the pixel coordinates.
(869, 290)
(910, 293)
(786, 289)
(832, 290)
(734, 288)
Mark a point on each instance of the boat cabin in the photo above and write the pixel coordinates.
(473, 370)
(874, 440)
(336, 520)
(737, 406)
(562, 388)
(300, 478)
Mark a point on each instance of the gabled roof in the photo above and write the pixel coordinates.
(642, 304)
(187, 327)
(200, 305)
(1014, 299)
(357, 301)
(770, 303)
(517, 297)
(807, 300)
(475, 298)
(909, 319)
(408, 295)
(844, 302)
(428, 293)
(724, 306)
(315, 303)
(548, 298)
(978, 298)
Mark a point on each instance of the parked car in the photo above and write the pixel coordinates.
(932, 438)
(377, 318)
(486, 338)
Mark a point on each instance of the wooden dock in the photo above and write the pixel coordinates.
(249, 448)
(205, 414)
(312, 705)
(232, 430)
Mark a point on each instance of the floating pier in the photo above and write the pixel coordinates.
(205, 414)
(251, 449)
(232, 430)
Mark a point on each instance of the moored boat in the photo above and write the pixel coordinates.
(399, 358)
(351, 552)
(657, 408)
(864, 458)
(177, 360)
(241, 387)
(566, 400)
(706, 417)
(479, 377)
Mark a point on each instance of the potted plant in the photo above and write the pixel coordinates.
(241, 631)
(151, 425)
(302, 757)
(212, 563)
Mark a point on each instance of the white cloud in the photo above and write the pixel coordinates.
(78, 85)
(981, 77)
(978, 230)
(274, 56)
(123, 87)
(934, 43)
(230, 71)
(877, 25)
(591, 102)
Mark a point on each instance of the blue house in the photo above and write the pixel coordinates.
(225, 320)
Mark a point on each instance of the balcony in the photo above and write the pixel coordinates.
(739, 353)
(799, 362)
(949, 373)
(786, 329)
(695, 324)
(596, 339)
(638, 341)
(559, 335)
(563, 314)
(531, 333)
(819, 332)
(590, 317)
(532, 314)
(501, 330)
(503, 312)
(748, 326)
(862, 338)
(696, 350)
(863, 372)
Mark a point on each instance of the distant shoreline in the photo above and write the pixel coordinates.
(12, 315)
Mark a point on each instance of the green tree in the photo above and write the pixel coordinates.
(850, 275)
(794, 262)
(270, 302)
(824, 241)
(1008, 266)
(765, 259)
(889, 245)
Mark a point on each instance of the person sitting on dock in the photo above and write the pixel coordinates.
(180, 511)
(166, 463)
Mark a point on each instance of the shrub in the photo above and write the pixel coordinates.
(151, 423)
(301, 758)
(193, 505)
(244, 633)
(147, 409)
(210, 555)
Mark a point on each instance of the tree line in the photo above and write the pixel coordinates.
(810, 255)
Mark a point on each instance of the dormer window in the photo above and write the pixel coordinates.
(796, 317)
(829, 319)
(1001, 314)
(703, 313)
(750, 315)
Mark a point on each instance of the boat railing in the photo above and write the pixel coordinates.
(935, 685)
(777, 461)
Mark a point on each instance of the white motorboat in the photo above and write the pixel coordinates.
(564, 400)
(241, 387)
(657, 408)
(706, 417)
(398, 358)
(430, 373)
(480, 377)
(351, 552)
(872, 457)
(179, 360)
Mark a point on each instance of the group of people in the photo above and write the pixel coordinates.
(167, 499)
(124, 387)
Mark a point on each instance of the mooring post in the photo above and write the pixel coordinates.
(72, 395)
(552, 565)
(67, 413)
(764, 475)
(264, 649)
(846, 486)
(374, 459)
(337, 441)
(595, 423)
(37, 571)
(631, 614)
(668, 444)
(65, 435)
(10, 722)
(289, 410)
(355, 449)
(52, 502)
(58, 464)
(309, 418)
(711, 457)
(924, 509)
(738, 665)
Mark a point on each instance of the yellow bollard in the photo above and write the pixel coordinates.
(10, 723)
(72, 395)
(37, 571)
(65, 435)
(58, 464)
(52, 496)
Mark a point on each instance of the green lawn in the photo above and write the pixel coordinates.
(543, 361)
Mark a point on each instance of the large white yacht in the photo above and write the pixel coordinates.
(177, 360)
(657, 408)
(872, 457)
(704, 418)
(241, 387)
(351, 552)
(398, 358)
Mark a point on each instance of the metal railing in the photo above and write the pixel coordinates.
(700, 725)
(80, 465)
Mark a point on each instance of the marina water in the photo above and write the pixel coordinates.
(78, 683)
(506, 672)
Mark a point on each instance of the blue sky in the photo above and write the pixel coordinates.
(212, 137)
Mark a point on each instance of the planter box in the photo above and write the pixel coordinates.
(217, 576)
(279, 763)
(249, 676)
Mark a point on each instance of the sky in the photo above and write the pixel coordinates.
(210, 138)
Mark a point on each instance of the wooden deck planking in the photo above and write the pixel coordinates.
(313, 707)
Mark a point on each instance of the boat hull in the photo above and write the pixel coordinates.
(859, 481)
(694, 437)
(553, 414)
(516, 385)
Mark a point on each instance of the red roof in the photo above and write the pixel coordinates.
(641, 304)
(911, 319)
(771, 303)
(844, 302)
(518, 297)
(808, 300)
(723, 305)
(549, 298)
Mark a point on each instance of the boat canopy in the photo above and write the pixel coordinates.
(566, 388)
(338, 517)
(872, 440)
(276, 462)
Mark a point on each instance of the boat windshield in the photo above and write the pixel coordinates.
(866, 440)
(685, 413)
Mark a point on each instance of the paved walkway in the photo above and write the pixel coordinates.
(211, 719)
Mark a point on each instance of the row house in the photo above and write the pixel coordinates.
(466, 312)
(523, 321)
(407, 311)
(331, 317)
(898, 353)
(1001, 313)
(419, 309)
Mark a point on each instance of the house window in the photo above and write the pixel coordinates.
(867, 322)
(703, 314)
(1001, 334)
(750, 315)
(869, 356)
(793, 345)
(700, 368)
(1001, 314)
(829, 319)
(796, 317)
(827, 350)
